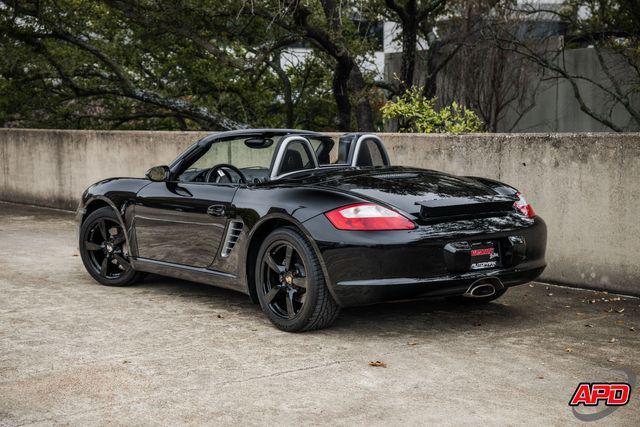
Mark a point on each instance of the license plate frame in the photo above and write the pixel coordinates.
(485, 255)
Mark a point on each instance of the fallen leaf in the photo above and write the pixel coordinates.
(568, 350)
(609, 310)
(125, 361)
(592, 301)
(412, 343)
(75, 254)
(620, 310)
(550, 294)
(613, 340)
(632, 329)
(220, 316)
(611, 359)
(614, 299)
(546, 287)
(540, 377)
(589, 325)
(378, 364)
(531, 286)
(567, 306)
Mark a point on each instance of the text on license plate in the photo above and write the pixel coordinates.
(484, 255)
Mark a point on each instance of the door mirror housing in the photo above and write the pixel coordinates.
(159, 173)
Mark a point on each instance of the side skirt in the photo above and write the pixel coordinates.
(194, 274)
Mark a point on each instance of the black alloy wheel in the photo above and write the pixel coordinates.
(284, 280)
(290, 284)
(104, 251)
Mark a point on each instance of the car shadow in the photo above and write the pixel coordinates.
(406, 317)
(433, 314)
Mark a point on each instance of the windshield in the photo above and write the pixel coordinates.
(253, 157)
(254, 161)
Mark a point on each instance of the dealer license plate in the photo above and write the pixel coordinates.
(484, 255)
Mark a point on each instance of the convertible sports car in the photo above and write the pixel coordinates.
(267, 213)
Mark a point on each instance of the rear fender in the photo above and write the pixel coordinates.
(257, 233)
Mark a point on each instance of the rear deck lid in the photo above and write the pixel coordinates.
(423, 193)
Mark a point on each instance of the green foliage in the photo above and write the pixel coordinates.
(188, 64)
(418, 114)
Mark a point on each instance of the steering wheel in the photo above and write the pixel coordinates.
(221, 168)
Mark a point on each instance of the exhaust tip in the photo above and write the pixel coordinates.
(483, 288)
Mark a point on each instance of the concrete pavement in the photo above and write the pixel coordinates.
(173, 352)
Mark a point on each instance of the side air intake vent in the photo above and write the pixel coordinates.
(230, 240)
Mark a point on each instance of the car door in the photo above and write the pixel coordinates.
(182, 222)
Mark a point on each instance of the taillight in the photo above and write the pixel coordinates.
(368, 216)
(523, 206)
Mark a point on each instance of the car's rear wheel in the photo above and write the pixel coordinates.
(104, 251)
(290, 284)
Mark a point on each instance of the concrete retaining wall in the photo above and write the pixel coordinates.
(53, 167)
(585, 186)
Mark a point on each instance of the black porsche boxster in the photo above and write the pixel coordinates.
(266, 212)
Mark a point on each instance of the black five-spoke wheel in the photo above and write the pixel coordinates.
(103, 249)
(105, 245)
(290, 283)
(285, 280)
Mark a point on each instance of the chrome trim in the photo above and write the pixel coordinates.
(283, 148)
(231, 237)
(492, 282)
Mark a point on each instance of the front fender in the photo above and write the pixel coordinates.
(117, 193)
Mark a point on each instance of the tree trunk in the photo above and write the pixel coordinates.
(409, 40)
(286, 87)
(341, 95)
(364, 115)
(430, 85)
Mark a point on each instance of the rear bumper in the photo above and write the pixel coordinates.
(370, 267)
(362, 292)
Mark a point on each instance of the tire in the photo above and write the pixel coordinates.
(104, 251)
(478, 301)
(293, 294)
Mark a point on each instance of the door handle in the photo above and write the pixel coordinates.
(216, 210)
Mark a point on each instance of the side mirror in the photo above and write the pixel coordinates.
(158, 173)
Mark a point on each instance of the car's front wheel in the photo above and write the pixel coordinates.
(290, 284)
(104, 251)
